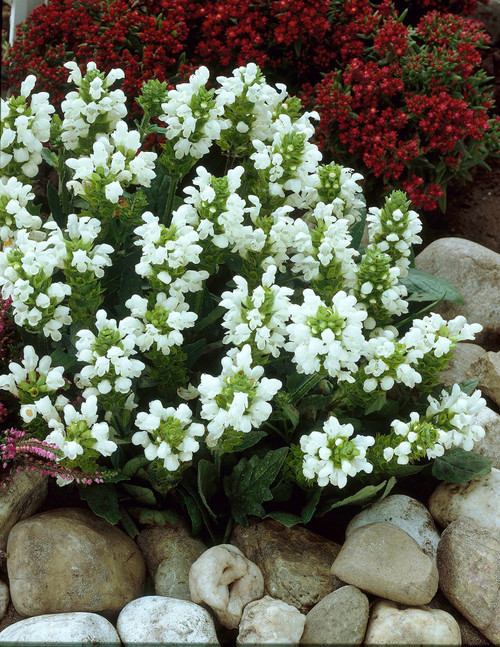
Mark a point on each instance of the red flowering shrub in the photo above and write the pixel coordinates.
(403, 101)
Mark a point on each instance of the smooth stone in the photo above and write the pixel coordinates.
(384, 560)
(489, 446)
(408, 514)
(340, 618)
(390, 624)
(172, 575)
(477, 500)
(157, 619)
(472, 361)
(69, 560)
(156, 545)
(471, 636)
(489, 14)
(469, 574)
(295, 562)
(69, 628)
(269, 621)
(20, 497)
(4, 598)
(475, 271)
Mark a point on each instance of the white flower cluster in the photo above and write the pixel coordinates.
(160, 327)
(24, 129)
(14, 198)
(93, 109)
(166, 255)
(258, 318)
(331, 455)
(26, 272)
(110, 366)
(324, 251)
(238, 398)
(325, 337)
(81, 431)
(33, 374)
(435, 336)
(168, 434)
(338, 186)
(193, 117)
(82, 254)
(114, 165)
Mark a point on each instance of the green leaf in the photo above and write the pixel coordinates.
(142, 495)
(291, 413)
(249, 440)
(207, 483)
(55, 206)
(427, 287)
(128, 524)
(357, 230)
(194, 351)
(460, 466)
(469, 386)
(132, 466)
(377, 404)
(288, 519)
(210, 319)
(364, 496)
(248, 486)
(146, 516)
(102, 500)
(60, 358)
(192, 510)
(49, 156)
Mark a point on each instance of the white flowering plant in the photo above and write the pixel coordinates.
(200, 316)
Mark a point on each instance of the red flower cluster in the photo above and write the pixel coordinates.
(404, 103)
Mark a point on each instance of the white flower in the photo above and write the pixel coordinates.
(436, 336)
(14, 198)
(168, 434)
(37, 372)
(332, 455)
(238, 398)
(326, 337)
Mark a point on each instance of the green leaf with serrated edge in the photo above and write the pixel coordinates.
(427, 287)
(248, 486)
(207, 484)
(460, 466)
(102, 500)
(134, 464)
(249, 440)
(161, 518)
(55, 206)
(142, 495)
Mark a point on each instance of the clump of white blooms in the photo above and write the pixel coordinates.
(160, 327)
(436, 336)
(108, 356)
(82, 254)
(167, 255)
(193, 117)
(339, 187)
(34, 376)
(331, 455)
(114, 165)
(15, 197)
(239, 398)
(325, 337)
(168, 434)
(26, 276)
(93, 109)
(25, 127)
(81, 431)
(258, 318)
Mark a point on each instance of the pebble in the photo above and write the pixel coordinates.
(270, 621)
(295, 562)
(469, 574)
(478, 500)
(20, 498)
(489, 446)
(69, 560)
(472, 361)
(225, 580)
(475, 271)
(159, 620)
(391, 624)
(408, 514)
(4, 598)
(384, 560)
(62, 628)
(157, 544)
(340, 618)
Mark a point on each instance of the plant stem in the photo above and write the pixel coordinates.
(174, 180)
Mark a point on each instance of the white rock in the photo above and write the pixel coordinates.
(489, 446)
(408, 514)
(268, 621)
(225, 580)
(74, 628)
(20, 498)
(157, 619)
(4, 598)
(477, 500)
(392, 624)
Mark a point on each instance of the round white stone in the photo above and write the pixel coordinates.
(4, 598)
(73, 628)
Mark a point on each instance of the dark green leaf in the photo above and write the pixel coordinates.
(134, 464)
(55, 206)
(130, 528)
(194, 351)
(146, 516)
(249, 440)
(249, 484)
(288, 519)
(377, 404)
(61, 358)
(102, 500)
(469, 386)
(364, 496)
(317, 402)
(49, 157)
(210, 319)
(460, 466)
(427, 287)
(192, 510)
(291, 413)
(142, 495)
(357, 230)
(207, 483)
